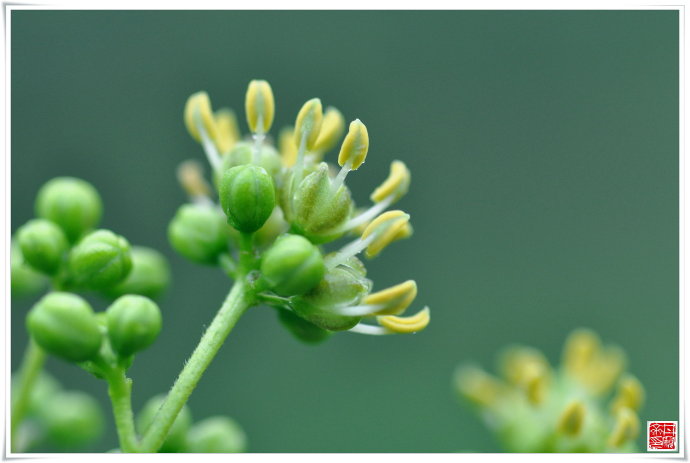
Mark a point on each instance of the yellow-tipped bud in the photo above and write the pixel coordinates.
(478, 386)
(228, 133)
(287, 147)
(332, 129)
(355, 146)
(190, 175)
(197, 112)
(580, 349)
(395, 186)
(625, 429)
(386, 228)
(308, 123)
(630, 394)
(404, 325)
(395, 299)
(259, 106)
(571, 420)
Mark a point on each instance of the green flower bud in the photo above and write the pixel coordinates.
(198, 233)
(150, 275)
(43, 245)
(292, 266)
(100, 259)
(247, 196)
(65, 325)
(71, 203)
(242, 153)
(177, 436)
(300, 328)
(318, 211)
(133, 324)
(72, 420)
(24, 280)
(217, 434)
(342, 286)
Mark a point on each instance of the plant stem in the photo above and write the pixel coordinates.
(237, 302)
(120, 392)
(31, 367)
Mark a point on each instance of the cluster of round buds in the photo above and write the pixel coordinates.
(276, 208)
(589, 404)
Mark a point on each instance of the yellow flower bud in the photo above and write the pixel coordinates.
(228, 133)
(386, 228)
(395, 186)
(395, 299)
(355, 146)
(404, 325)
(571, 420)
(197, 112)
(332, 129)
(286, 144)
(308, 123)
(259, 106)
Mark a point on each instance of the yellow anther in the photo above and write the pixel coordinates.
(630, 394)
(190, 176)
(228, 133)
(395, 186)
(355, 146)
(625, 429)
(198, 111)
(518, 362)
(259, 106)
(287, 147)
(478, 386)
(387, 227)
(580, 349)
(535, 382)
(395, 299)
(404, 325)
(308, 123)
(332, 129)
(571, 420)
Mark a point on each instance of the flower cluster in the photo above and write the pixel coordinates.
(277, 208)
(589, 404)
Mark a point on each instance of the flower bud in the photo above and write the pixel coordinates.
(199, 233)
(308, 124)
(101, 259)
(150, 275)
(65, 325)
(318, 211)
(133, 324)
(73, 204)
(340, 287)
(355, 146)
(217, 434)
(292, 266)
(247, 196)
(243, 153)
(259, 106)
(24, 280)
(43, 245)
(72, 420)
(177, 436)
(303, 330)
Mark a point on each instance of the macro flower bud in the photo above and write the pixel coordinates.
(199, 233)
(24, 280)
(292, 266)
(318, 211)
(65, 325)
(300, 328)
(133, 324)
(355, 146)
(71, 203)
(43, 245)
(259, 106)
(217, 434)
(71, 419)
(177, 436)
(101, 259)
(247, 196)
(150, 275)
(308, 123)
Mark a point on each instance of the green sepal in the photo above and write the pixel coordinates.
(248, 196)
(43, 245)
(300, 328)
(199, 233)
(292, 266)
(134, 323)
(177, 436)
(217, 434)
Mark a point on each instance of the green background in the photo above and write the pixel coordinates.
(544, 155)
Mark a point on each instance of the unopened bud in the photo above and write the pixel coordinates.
(247, 196)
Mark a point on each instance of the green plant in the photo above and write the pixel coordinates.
(276, 211)
(535, 408)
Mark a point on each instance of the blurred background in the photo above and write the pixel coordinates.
(543, 148)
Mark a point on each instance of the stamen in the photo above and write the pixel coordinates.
(404, 325)
(340, 178)
(359, 310)
(209, 146)
(259, 136)
(349, 250)
(367, 215)
(363, 328)
(190, 176)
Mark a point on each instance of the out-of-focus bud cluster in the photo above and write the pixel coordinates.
(274, 209)
(587, 404)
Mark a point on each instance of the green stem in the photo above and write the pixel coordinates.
(238, 301)
(120, 392)
(31, 367)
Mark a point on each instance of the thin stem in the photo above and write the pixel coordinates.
(238, 301)
(31, 367)
(120, 392)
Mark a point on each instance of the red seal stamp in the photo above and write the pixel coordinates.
(662, 436)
